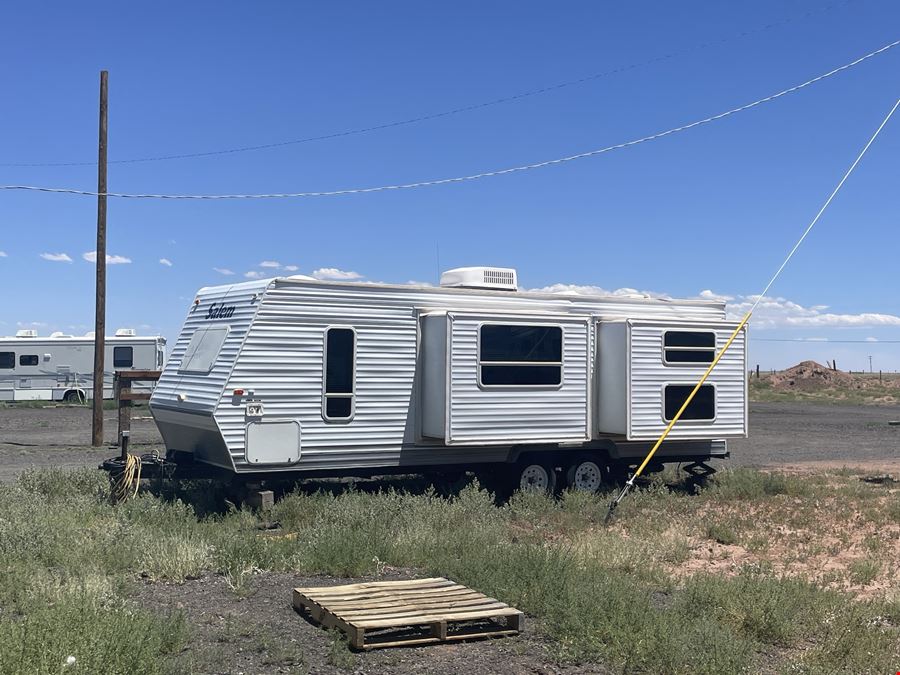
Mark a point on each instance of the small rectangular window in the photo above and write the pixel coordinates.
(338, 399)
(701, 407)
(7, 360)
(682, 346)
(203, 350)
(515, 355)
(28, 359)
(123, 357)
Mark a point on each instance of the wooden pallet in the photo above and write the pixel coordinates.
(404, 613)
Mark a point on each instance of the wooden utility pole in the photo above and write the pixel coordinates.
(100, 307)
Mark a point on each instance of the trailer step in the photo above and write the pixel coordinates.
(407, 613)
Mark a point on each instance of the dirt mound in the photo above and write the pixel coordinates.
(812, 376)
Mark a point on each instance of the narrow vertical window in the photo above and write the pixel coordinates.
(338, 401)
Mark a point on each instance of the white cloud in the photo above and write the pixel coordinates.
(274, 264)
(290, 268)
(91, 256)
(576, 289)
(56, 257)
(334, 274)
(779, 312)
(709, 295)
(31, 324)
(254, 274)
(772, 312)
(165, 261)
(223, 270)
(3, 254)
(871, 339)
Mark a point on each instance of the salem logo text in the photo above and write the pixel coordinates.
(219, 311)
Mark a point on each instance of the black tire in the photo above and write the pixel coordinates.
(73, 397)
(586, 473)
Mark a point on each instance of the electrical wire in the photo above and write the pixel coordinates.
(659, 441)
(444, 113)
(471, 177)
(825, 342)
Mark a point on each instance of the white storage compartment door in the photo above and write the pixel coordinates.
(666, 359)
(275, 442)
(517, 379)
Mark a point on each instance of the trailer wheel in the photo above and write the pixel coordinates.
(73, 396)
(531, 476)
(585, 474)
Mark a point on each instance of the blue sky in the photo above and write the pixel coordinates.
(712, 209)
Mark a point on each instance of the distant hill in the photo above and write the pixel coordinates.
(812, 381)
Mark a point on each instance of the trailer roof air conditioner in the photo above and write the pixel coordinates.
(496, 278)
(28, 332)
(125, 332)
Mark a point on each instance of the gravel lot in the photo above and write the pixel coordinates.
(794, 435)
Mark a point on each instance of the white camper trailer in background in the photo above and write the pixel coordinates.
(305, 377)
(61, 367)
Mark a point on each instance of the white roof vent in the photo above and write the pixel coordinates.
(27, 332)
(495, 278)
(59, 334)
(125, 332)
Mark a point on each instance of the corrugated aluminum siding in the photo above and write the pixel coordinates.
(203, 391)
(277, 352)
(649, 375)
(517, 414)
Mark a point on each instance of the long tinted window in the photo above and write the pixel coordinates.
(7, 359)
(513, 355)
(28, 359)
(682, 346)
(701, 407)
(340, 349)
(521, 343)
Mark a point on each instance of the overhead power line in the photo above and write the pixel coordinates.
(452, 111)
(470, 177)
(813, 341)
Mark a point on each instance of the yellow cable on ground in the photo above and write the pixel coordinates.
(127, 484)
(628, 485)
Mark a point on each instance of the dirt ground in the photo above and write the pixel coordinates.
(256, 630)
(786, 435)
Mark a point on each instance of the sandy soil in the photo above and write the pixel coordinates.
(257, 631)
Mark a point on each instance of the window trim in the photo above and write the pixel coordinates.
(690, 364)
(528, 387)
(352, 394)
(37, 360)
(705, 420)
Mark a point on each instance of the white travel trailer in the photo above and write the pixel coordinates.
(320, 378)
(61, 367)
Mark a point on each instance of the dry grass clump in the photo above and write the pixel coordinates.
(758, 571)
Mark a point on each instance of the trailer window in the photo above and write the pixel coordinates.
(28, 359)
(338, 400)
(203, 349)
(515, 355)
(682, 346)
(701, 407)
(123, 357)
(7, 359)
